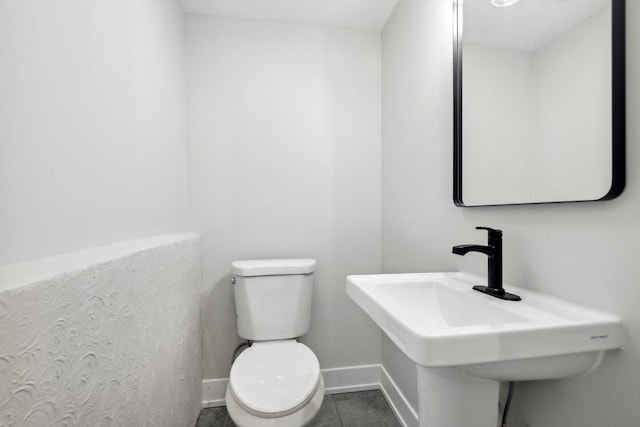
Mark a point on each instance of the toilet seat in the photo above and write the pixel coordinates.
(274, 378)
(303, 417)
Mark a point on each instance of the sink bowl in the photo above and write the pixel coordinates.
(464, 342)
(438, 320)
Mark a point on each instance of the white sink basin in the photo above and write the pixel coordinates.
(464, 342)
(438, 320)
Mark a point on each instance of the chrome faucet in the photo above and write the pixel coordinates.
(493, 250)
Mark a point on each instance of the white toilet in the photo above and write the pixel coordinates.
(277, 380)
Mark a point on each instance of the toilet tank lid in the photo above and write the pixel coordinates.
(273, 267)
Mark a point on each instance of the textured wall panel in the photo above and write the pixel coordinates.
(112, 338)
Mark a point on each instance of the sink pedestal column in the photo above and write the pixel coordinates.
(449, 398)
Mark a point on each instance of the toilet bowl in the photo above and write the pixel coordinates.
(276, 381)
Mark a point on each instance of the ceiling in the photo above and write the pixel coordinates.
(361, 14)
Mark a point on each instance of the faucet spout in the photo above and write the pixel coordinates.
(465, 249)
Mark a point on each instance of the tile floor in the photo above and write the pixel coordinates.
(357, 409)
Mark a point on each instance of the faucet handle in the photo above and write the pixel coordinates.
(493, 232)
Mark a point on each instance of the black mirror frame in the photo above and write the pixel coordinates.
(618, 121)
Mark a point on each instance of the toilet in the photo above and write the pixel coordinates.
(276, 381)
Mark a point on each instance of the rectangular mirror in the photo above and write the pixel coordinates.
(539, 108)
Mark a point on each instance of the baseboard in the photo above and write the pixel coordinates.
(351, 378)
(336, 380)
(399, 404)
(213, 392)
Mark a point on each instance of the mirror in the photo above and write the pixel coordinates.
(538, 101)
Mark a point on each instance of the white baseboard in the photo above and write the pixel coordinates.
(213, 392)
(405, 413)
(351, 378)
(336, 380)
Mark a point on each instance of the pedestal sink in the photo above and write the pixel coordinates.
(465, 342)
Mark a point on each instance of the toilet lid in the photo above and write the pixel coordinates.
(274, 378)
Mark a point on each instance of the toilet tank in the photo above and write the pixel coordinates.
(273, 297)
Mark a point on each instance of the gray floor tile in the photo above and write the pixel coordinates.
(327, 415)
(212, 417)
(358, 409)
(228, 422)
(358, 395)
(365, 409)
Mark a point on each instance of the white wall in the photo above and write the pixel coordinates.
(284, 161)
(92, 124)
(107, 336)
(585, 252)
